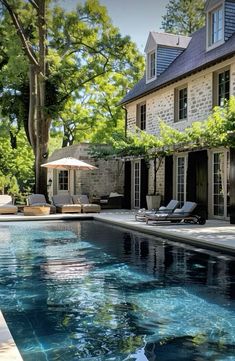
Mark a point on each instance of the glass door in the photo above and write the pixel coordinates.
(181, 179)
(220, 187)
(137, 184)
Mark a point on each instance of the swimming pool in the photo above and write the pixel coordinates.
(88, 291)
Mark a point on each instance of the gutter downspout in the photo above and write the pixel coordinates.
(125, 132)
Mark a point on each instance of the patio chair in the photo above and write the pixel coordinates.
(6, 205)
(87, 207)
(64, 204)
(40, 201)
(171, 206)
(184, 214)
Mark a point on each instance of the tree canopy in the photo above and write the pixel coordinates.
(183, 16)
(62, 73)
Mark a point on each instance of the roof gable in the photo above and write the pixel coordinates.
(210, 4)
(151, 43)
(193, 58)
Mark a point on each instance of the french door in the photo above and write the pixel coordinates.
(220, 184)
(181, 169)
(136, 184)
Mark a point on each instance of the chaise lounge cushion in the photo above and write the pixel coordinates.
(178, 214)
(170, 208)
(64, 204)
(40, 200)
(86, 206)
(6, 205)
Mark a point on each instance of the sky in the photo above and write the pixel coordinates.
(133, 17)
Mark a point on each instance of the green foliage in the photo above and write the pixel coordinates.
(16, 166)
(94, 66)
(184, 16)
(217, 130)
(90, 68)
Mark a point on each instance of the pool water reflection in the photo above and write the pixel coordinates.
(88, 291)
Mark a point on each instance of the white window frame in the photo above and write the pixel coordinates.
(58, 182)
(149, 75)
(136, 205)
(226, 167)
(176, 158)
(218, 73)
(177, 104)
(138, 115)
(211, 45)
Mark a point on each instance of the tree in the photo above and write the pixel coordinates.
(184, 16)
(64, 52)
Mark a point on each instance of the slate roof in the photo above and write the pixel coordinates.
(192, 59)
(166, 39)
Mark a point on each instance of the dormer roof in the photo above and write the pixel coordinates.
(166, 39)
(210, 4)
(193, 59)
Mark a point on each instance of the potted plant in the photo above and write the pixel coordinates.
(154, 200)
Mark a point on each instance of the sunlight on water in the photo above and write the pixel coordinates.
(84, 291)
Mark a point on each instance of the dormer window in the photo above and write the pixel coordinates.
(151, 64)
(215, 26)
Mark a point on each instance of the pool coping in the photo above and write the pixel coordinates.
(171, 236)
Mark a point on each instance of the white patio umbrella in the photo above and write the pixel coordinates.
(69, 163)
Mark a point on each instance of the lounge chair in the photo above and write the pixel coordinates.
(6, 205)
(40, 201)
(180, 214)
(87, 207)
(64, 204)
(171, 206)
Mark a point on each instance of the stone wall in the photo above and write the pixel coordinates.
(160, 106)
(108, 177)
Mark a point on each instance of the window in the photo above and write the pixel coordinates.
(215, 27)
(151, 65)
(141, 116)
(63, 180)
(181, 104)
(221, 87)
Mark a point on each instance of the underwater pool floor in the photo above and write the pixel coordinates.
(88, 291)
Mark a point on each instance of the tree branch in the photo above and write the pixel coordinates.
(33, 3)
(27, 49)
(83, 83)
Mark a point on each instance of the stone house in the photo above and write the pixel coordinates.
(185, 78)
(107, 178)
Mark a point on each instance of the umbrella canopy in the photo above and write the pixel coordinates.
(69, 163)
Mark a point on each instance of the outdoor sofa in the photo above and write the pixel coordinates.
(64, 204)
(171, 206)
(6, 205)
(87, 207)
(39, 200)
(185, 214)
(112, 201)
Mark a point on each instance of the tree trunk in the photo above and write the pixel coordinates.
(38, 121)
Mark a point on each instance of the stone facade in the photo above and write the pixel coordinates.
(160, 105)
(107, 178)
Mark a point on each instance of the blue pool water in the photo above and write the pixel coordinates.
(87, 291)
